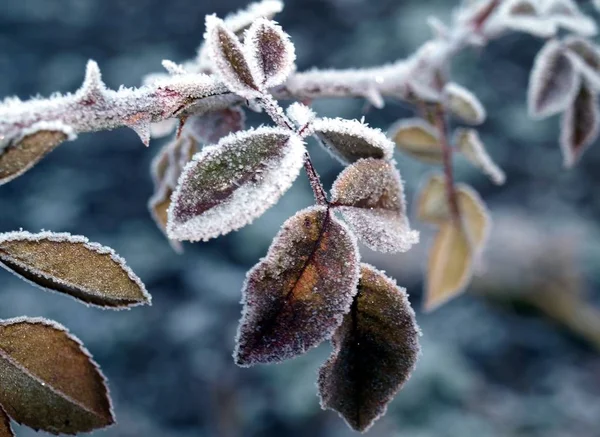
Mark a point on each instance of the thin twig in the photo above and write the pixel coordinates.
(442, 128)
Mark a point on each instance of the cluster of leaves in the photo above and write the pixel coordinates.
(216, 177)
(49, 380)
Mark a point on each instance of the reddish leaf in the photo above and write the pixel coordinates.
(375, 351)
(297, 295)
(209, 128)
(49, 380)
(5, 428)
(370, 196)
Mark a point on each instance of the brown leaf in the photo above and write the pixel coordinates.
(17, 159)
(297, 295)
(432, 203)
(579, 126)
(370, 196)
(72, 265)
(553, 83)
(419, 139)
(375, 351)
(49, 380)
(449, 267)
(5, 428)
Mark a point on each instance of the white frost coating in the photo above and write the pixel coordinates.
(247, 202)
(52, 126)
(300, 114)
(375, 138)
(523, 16)
(163, 128)
(437, 26)
(469, 143)
(464, 104)
(271, 60)
(173, 68)
(553, 83)
(566, 14)
(238, 77)
(589, 74)
(64, 237)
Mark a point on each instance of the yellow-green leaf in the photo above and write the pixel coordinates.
(419, 139)
(432, 203)
(471, 146)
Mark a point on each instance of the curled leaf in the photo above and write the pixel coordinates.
(297, 295)
(463, 104)
(375, 351)
(227, 186)
(579, 125)
(370, 196)
(70, 264)
(227, 54)
(16, 159)
(449, 266)
(270, 53)
(5, 428)
(351, 140)
(49, 380)
(432, 203)
(553, 83)
(419, 139)
(471, 146)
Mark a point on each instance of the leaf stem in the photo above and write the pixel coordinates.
(315, 181)
(442, 128)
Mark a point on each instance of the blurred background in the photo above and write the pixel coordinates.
(518, 355)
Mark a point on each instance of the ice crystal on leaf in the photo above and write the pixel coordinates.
(70, 264)
(58, 388)
(470, 145)
(270, 53)
(229, 60)
(370, 196)
(300, 114)
(228, 185)
(554, 81)
(463, 104)
(351, 140)
(579, 125)
(297, 295)
(375, 351)
(417, 138)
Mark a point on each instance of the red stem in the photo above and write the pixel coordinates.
(440, 123)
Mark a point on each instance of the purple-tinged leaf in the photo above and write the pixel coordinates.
(375, 351)
(296, 297)
(228, 185)
(269, 52)
(209, 128)
(69, 264)
(227, 54)
(579, 126)
(470, 145)
(463, 104)
(49, 380)
(351, 140)
(5, 428)
(370, 196)
(553, 83)
(586, 59)
(417, 138)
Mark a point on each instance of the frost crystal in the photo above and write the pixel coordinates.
(300, 114)
(228, 185)
(469, 143)
(351, 140)
(370, 196)
(553, 83)
(463, 104)
(296, 297)
(269, 52)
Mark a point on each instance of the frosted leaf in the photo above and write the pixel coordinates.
(579, 126)
(70, 264)
(209, 128)
(34, 144)
(300, 114)
(227, 186)
(566, 14)
(474, 216)
(296, 297)
(5, 428)
(586, 58)
(269, 52)
(49, 380)
(351, 140)
(163, 128)
(463, 104)
(375, 351)
(417, 138)
(227, 54)
(438, 28)
(470, 145)
(449, 268)
(432, 203)
(553, 82)
(525, 16)
(370, 196)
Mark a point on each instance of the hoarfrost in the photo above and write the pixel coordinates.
(470, 144)
(463, 104)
